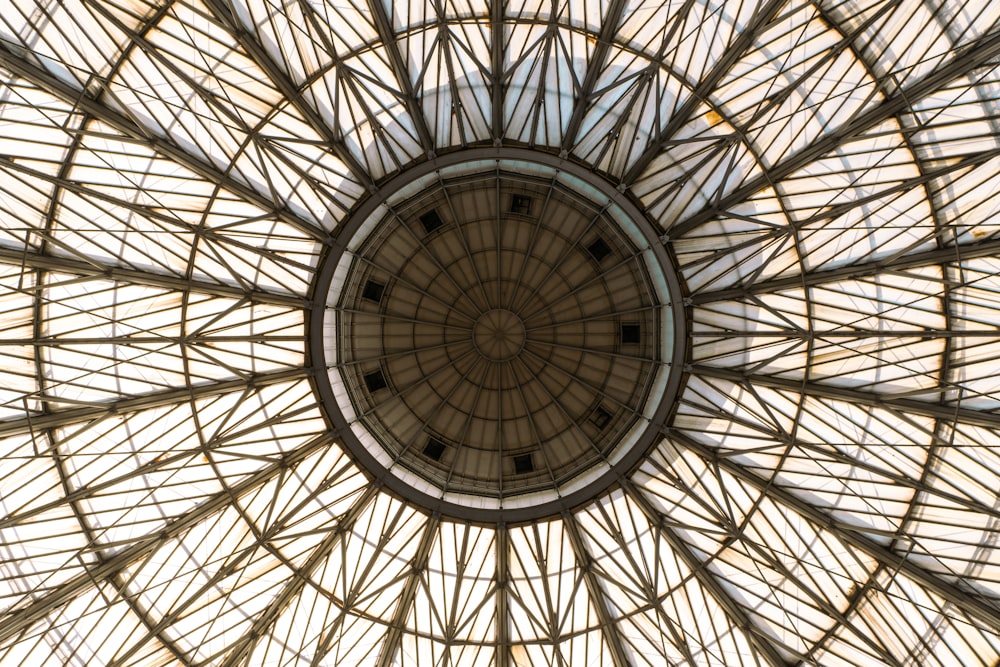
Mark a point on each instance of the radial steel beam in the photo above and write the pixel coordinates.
(86, 103)
(942, 255)
(609, 30)
(965, 599)
(925, 178)
(502, 583)
(94, 268)
(168, 221)
(830, 334)
(23, 617)
(967, 58)
(612, 637)
(164, 462)
(830, 450)
(170, 396)
(854, 601)
(117, 581)
(744, 40)
(888, 402)
(640, 577)
(418, 565)
(242, 649)
(497, 74)
(388, 37)
(759, 639)
(773, 100)
(223, 11)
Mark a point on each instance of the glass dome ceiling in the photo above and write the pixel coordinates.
(822, 491)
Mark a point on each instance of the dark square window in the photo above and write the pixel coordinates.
(600, 417)
(523, 464)
(520, 204)
(431, 221)
(599, 249)
(434, 449)
(630, 334)
(375, 381)
(373, 291)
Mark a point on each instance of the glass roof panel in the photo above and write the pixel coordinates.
(823, 174)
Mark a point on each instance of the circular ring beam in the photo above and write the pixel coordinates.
(491, 336)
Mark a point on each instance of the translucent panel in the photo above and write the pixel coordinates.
(89, 630)
(896, 614)
(820, 490)
(546, 67)
(454, 94)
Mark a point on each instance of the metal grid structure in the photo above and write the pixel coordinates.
(498, 336)
(824, 175)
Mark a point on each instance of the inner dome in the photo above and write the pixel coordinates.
(501, 332)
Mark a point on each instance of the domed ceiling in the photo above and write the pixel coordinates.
(513, 333)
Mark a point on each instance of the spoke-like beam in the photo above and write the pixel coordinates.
(744, 40)
(598, 599)
(760, 641)
(839, 333)
(942, 255)
(497, 10)
(117, 580)
(241, 649)
(965, 599)
(240, 653)
(388, 37)
(23, 618)
(947, 413)
(502, 583)
(169, 222)
(418, 565)
(223, 11)
(96, 269)
(926, 177)
(170, 396)
(834, 451)
(83, 101)
(968, 58)
(609, 30)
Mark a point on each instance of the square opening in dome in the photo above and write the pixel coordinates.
(523, 463)
(599, 249)
(520, 204)
(434, 449)
(375, 381)
(431, 221)
(373, 291)
(600, 417)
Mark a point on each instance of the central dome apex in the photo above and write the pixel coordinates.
(496, 332)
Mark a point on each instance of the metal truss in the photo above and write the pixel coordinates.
(22, 619)
(95, 108)
(826, 187)
(968, 59)
(967, 600)
(856, 396)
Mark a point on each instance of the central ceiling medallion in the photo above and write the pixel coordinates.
(497, 336)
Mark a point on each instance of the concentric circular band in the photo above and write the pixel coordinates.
(494, 343)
